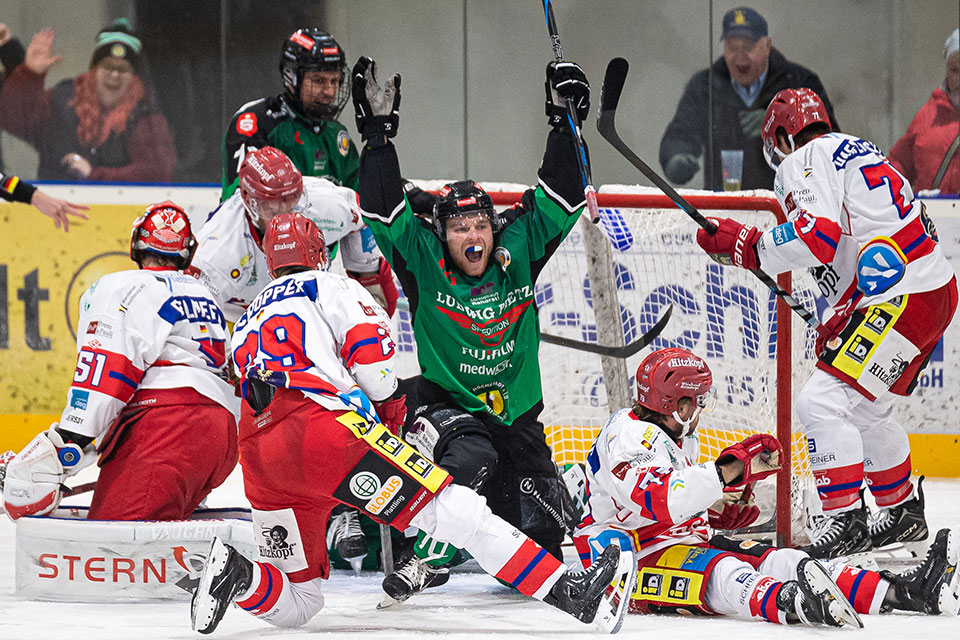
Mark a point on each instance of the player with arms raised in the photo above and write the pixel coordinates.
(853, 220)
(151, 388)
(317, 359)
(646, 491)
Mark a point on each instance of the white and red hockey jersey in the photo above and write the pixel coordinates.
(641, 482)
(323, 334)
(145, 329)
(230, 262)
(853, 219)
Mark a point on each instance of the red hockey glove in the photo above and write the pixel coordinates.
(380, 285)
(735, 511)
(830, 330)
(751, 459)
(392, 412)
(732, 244)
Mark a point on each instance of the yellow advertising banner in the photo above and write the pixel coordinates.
(43, 274)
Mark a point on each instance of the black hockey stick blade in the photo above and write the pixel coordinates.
(613, 81)
(613, 352)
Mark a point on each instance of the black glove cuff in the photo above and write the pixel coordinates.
(379, 127)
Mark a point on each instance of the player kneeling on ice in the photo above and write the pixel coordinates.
(853, 221)
(317, 362)
(647, 492)
(151, 387)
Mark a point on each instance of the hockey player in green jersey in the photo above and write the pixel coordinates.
(301, 121)
(470, 283)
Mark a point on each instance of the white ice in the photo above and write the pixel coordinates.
(469, 606)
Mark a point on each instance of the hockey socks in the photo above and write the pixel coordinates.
(274, 599)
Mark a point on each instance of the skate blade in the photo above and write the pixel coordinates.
(356, 564)
(841, 609)
(616, 600)
(950, 590)
(387, 602)
(203, 605)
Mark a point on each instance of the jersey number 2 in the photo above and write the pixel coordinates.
(877, 175)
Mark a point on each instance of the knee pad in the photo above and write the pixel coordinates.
(455, 440)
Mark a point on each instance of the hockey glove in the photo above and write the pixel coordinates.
(32, 483)
(731, 244)
(393, 413)
(749, 460)
(381, 286)
(566, 80)
(377, 110)
(829, 330)
(736, 510)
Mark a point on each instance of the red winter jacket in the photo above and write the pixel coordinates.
(918, 154)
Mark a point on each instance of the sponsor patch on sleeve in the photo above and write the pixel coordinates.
(247, 124)
(783, 233)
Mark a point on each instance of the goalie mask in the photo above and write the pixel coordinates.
(465, 198)
(293, 240)
(667, 375)
(164, 230)
(313, 50)
(792, 110)
(269, 185)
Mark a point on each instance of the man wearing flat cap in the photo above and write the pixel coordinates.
(743, 82)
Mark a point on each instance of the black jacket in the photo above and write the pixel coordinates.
(687, 132)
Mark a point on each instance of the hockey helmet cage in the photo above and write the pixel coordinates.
(269, 184)
(667, 375)
(463, 198)
(313, 50)
(293, 240)
(163, 229)
(792, 110)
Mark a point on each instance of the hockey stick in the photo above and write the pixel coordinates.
(588, 191)
(614, 352)
(610, 91)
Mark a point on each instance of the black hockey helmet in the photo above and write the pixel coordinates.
(463, 198)
(313, 50)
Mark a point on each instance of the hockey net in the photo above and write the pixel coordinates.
(609, 284)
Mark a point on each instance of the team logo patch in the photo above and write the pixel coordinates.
(343, 143)
(880, 266)
(364, 485)
(247, 124)
(502, 256)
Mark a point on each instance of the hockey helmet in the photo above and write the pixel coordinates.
(792, 110)
(269, 184)
(163, 229)
(667, 375)
(313, 50)
(293, 240)
(463, 198)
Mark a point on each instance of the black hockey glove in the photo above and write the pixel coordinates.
(566, 80)
(377, 110)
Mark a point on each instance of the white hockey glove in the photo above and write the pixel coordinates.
(377, 110)
(33, 479)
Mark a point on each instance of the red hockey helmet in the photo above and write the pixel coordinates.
(293, 240)
(667, 375)
(269, 185)
(163, 229)
(792, 110)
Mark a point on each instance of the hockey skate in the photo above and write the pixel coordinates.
(345, 535)
(600, 593)
(934, 586)
(413, 576)
(815, 599)
(841, 535)
(225, 574)
(903, 523)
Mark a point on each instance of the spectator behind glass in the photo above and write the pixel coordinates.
(744, 81)
(934, 131)
(99, 126)
(11, 54)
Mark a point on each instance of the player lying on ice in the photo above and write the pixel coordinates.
(151, 400)
(853, 221)
(646, 491)
(317, 361)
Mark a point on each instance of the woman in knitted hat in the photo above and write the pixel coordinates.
(927, 154)
(101, 125)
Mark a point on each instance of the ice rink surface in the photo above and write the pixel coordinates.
(469, 606)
